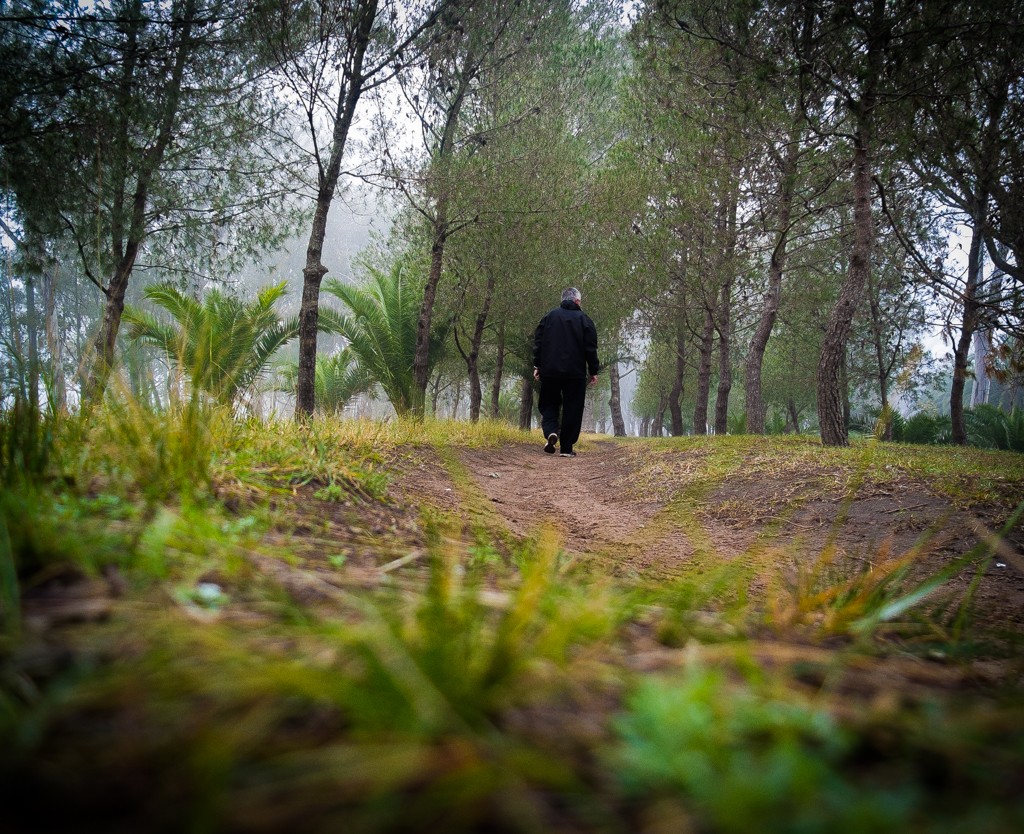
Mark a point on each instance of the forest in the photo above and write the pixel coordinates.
(279, 546)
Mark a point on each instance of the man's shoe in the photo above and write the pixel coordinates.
(569, 454)
(552, 440)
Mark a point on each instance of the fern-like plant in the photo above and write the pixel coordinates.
(223, 343)
(992, 428)
(381, 329)
(338, 378)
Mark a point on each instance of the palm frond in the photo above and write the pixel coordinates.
(223, 342)
(381, 329)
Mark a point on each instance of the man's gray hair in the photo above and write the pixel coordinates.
(571, 294)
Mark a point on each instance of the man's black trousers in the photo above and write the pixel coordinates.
(569, 395)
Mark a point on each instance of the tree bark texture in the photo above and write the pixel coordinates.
(421, 361)
(58, 390)
(724, 359)
(982, 381)
(831, 398)
(675, 397)
(126, 243)
(658, 424)
(615, 400)
(440, 229)
(473, 358)
(499, 370)
(33, 342)
(963, 343)
(792, 417)
(754, 395)
(882, 368)
(705, 349)
(327, 183)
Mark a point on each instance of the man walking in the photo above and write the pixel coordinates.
(564, 360)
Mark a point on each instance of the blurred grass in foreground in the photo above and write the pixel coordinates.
(469, 696)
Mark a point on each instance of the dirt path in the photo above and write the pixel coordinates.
(608, 507)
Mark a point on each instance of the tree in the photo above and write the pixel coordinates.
(965, 150)
(328, 54)
(222, 343)
(339, 378)
(125, 131)
(481, 45)
(381, 329)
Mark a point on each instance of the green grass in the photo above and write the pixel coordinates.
(492, 684)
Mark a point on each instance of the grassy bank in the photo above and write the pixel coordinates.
(216, 625)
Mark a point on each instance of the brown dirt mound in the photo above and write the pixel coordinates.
(599, 504)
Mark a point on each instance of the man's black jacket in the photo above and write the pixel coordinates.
(565, 344)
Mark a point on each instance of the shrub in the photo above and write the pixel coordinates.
(992, 428)
(926, 429)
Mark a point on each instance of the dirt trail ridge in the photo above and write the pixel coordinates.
(605, 507)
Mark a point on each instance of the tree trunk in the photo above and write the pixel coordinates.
(475, 392)
(473, 359)
(440, 230)
(126, 245)
(675, 397)
(770, 308)
(982, 380)
(793, 416)
(33, 342)
(724, 360)
(421, 361)
(589, 412)
(53, 341)
(456, 399)
(880, 365)
(832, 399)
(658, 424)
(499, 369)
(615, 402)
(327, 182)
(831, 409)
(436, 396)
(970, 324)
(526, 404)
(705, 349)
(106, 337)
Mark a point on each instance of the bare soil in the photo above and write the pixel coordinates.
(611, 510)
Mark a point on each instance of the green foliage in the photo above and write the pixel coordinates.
(749, 761)
(992, 428)
(381, 329)
(134, 449)
(776, 422)
(988, 427)
(925, 428)
(331, 492)
(480, 685)
(26, 431)
(10, 597)
(890, 423)
(222, 343)
(337, 378)
(737, 422)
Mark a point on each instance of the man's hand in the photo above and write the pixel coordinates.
(593, 379)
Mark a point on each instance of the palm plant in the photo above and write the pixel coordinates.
(338, 378)
(222, 342)
(380, 329)
(992, 428)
